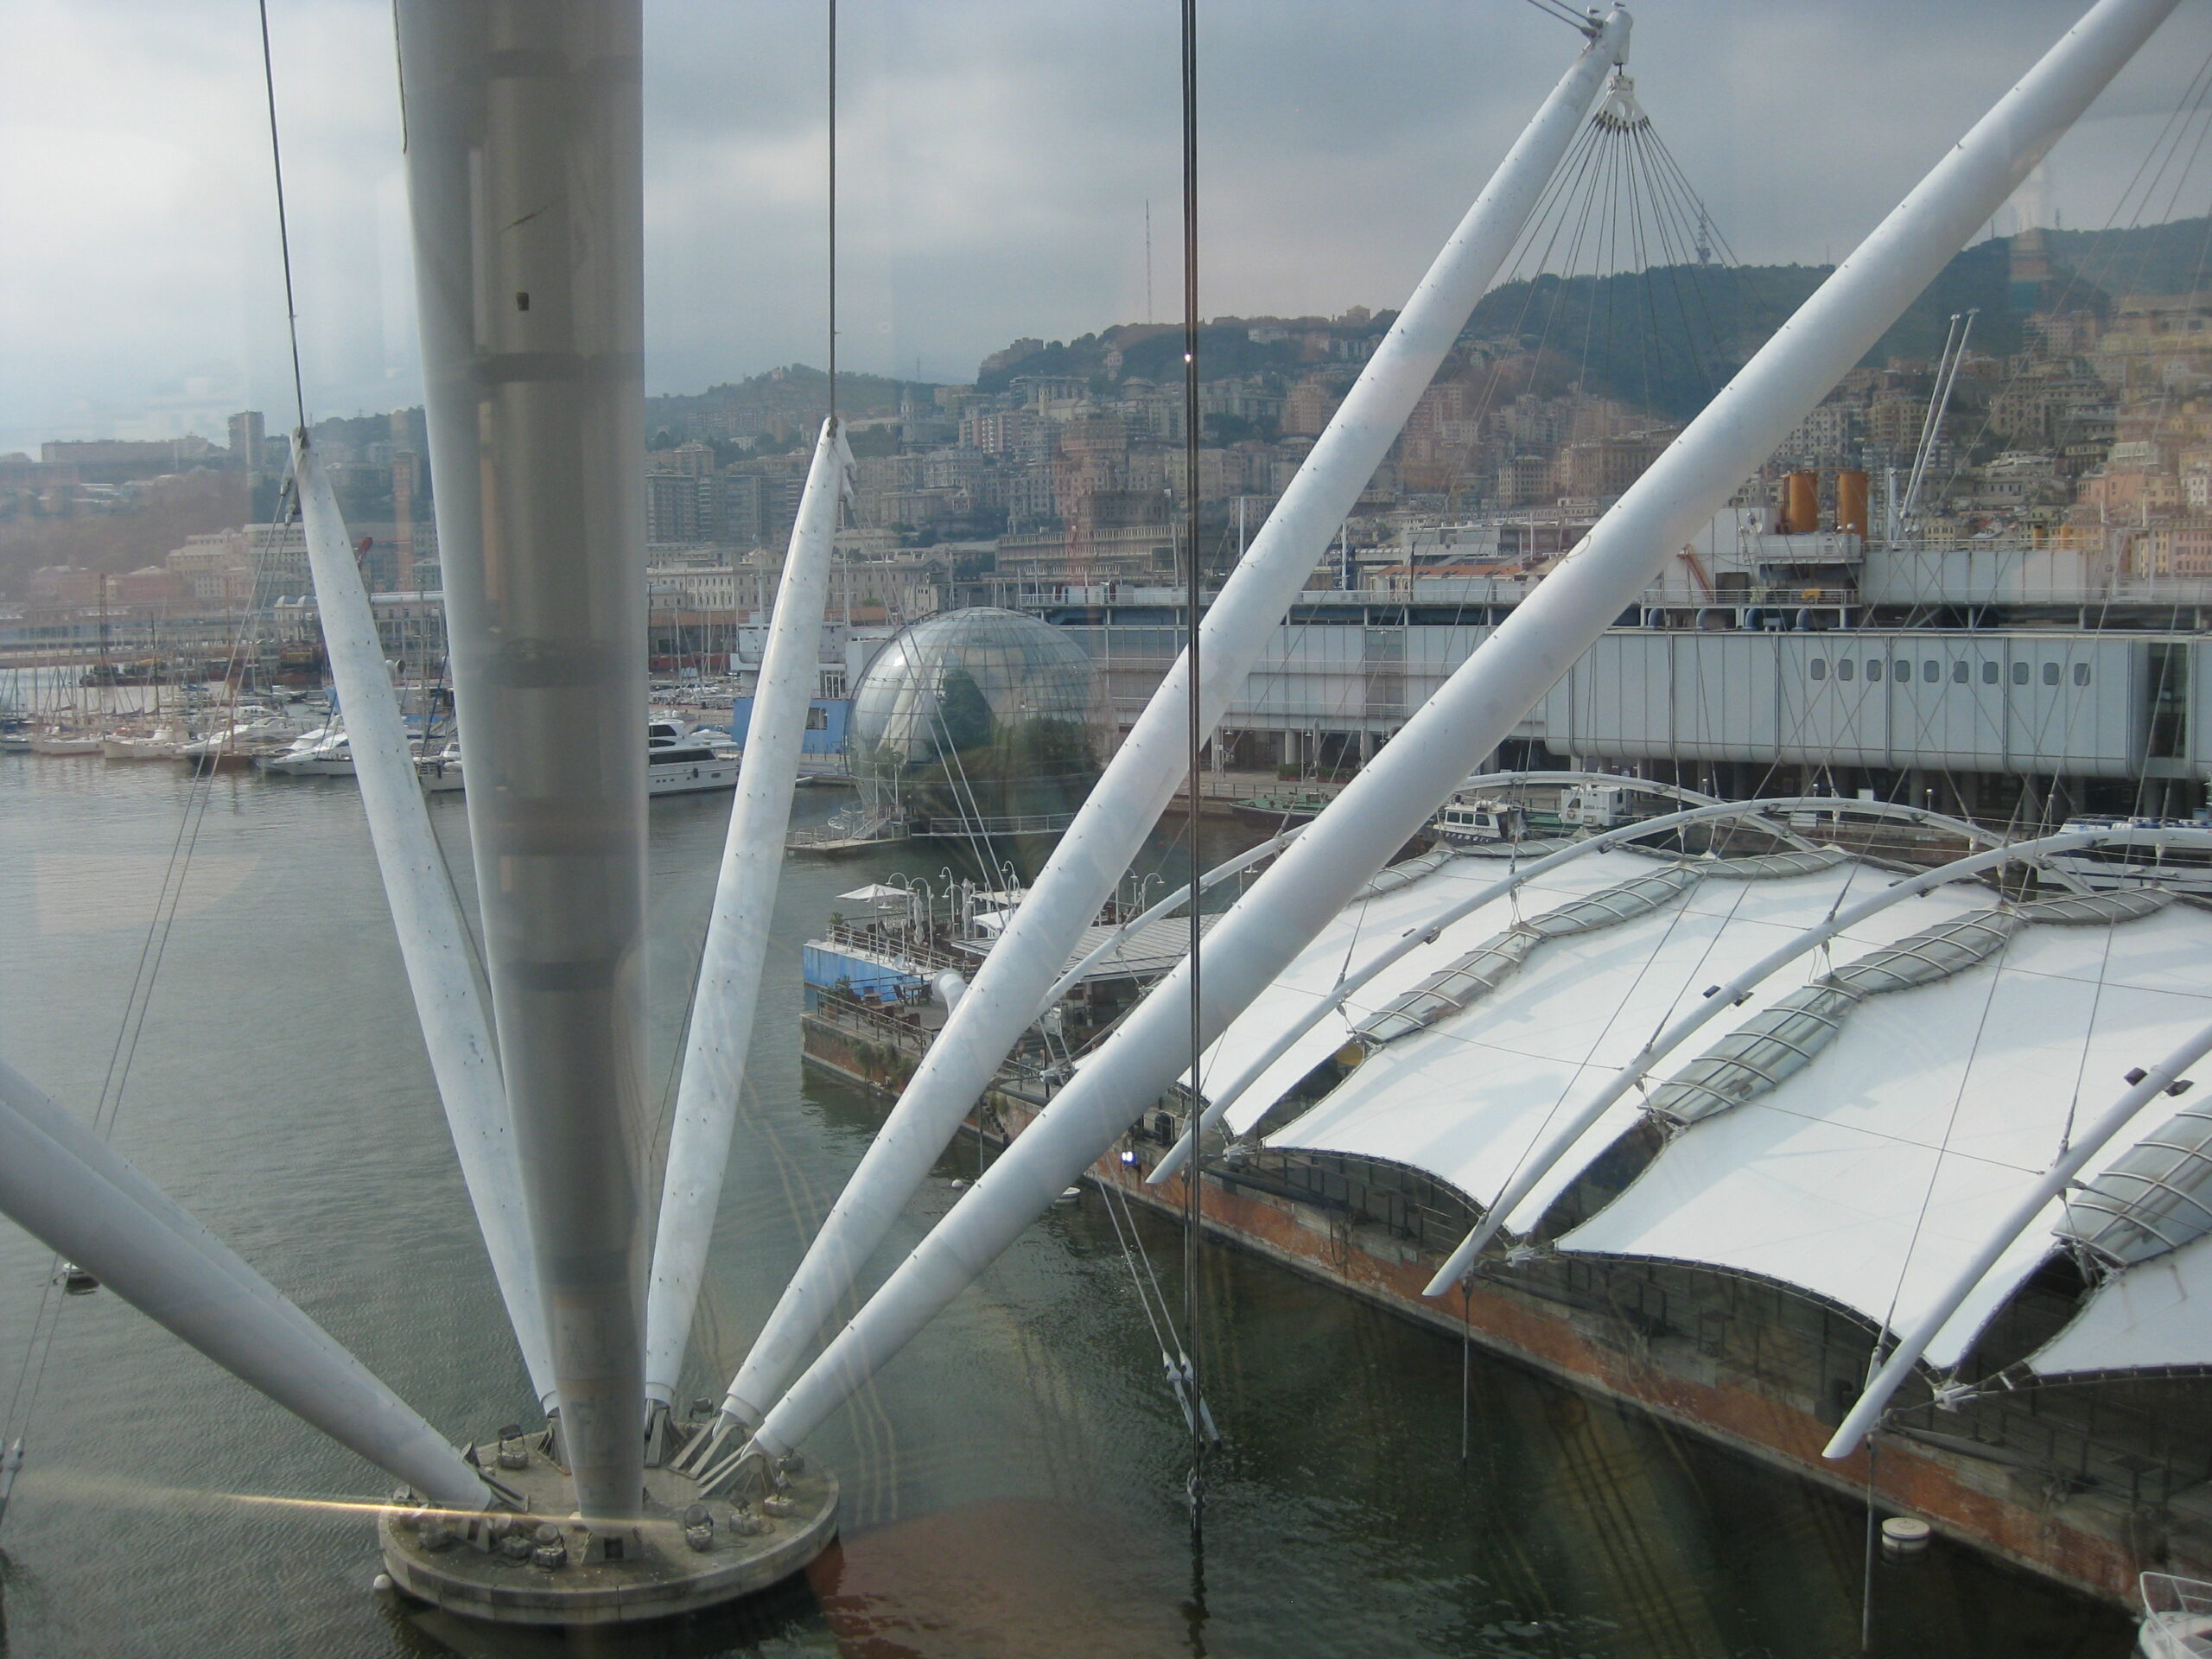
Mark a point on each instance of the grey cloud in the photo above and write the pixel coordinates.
(995, 160)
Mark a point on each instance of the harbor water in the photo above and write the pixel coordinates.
(1013, 1482)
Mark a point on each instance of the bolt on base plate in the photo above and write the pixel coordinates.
(540, 1566)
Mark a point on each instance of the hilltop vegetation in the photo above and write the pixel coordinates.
(782, 406)
(1664, 340)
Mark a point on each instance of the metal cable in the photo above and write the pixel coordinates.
(1194, 737)
(832, 208)
(283, 229)
(1564, 14)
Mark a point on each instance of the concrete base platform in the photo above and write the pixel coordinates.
(540, 1566)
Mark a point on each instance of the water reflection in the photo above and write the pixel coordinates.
(1014, 1480)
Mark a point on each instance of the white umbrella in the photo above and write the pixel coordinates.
(874, 893)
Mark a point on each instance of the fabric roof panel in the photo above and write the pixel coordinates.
(1361, 932)
(1856, 1179)
(1467, 1098)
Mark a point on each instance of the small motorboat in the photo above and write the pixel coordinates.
(322, 753)
(75, 1280)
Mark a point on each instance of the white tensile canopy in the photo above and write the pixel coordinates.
(1868, 1178)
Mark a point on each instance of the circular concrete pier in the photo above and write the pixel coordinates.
(536, 1564)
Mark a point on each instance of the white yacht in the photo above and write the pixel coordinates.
(322, 753)
(685, 759)
(680, 759)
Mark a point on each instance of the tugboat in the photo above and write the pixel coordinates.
(1279, 809)
(1472, 819)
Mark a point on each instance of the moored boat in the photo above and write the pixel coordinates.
(162, 742)
(2118, 865)
(680, 759)
(2177, 1618)
(322, 753)
(65, 740)
(1277, 808)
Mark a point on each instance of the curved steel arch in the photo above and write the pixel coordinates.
(1112, 943)
(1426, 933)
(1574, 775)
(1863, 1415)
(1728, 996)
(1252, 855)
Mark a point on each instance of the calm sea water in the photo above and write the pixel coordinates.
(1013, 1482)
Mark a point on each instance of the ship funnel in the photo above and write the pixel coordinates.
(1850, 501)
(1801, 503)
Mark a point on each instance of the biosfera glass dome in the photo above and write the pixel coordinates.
(983, 715)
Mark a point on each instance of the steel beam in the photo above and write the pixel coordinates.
(1142, 777)
(1484, 699)
(434, 942)
(736, 945)
(76, 1195)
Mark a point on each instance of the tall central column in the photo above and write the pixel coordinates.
(524, 168)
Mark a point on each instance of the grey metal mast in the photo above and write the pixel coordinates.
(525, 174)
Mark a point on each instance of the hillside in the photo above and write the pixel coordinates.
(785, 404)
(1664, 340)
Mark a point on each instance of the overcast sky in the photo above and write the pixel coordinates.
(996, 158)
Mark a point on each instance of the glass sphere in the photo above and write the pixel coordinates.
(982, 715)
